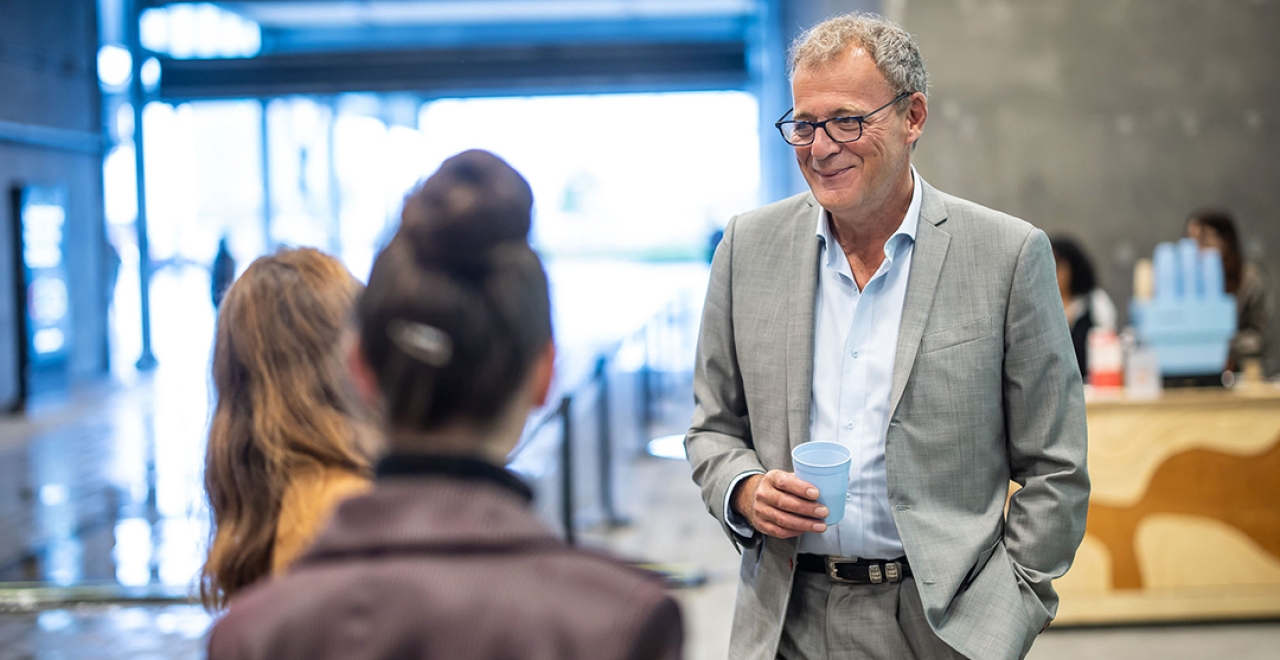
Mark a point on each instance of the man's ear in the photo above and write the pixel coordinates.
(917, 113)
(361, 374)
(541, 374)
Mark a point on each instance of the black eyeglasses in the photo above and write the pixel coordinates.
(839, 129)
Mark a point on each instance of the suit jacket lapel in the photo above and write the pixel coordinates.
(926, 265)
(802, 287)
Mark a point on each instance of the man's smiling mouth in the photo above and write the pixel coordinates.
(827, 174)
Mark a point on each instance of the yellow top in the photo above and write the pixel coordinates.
(310, 500)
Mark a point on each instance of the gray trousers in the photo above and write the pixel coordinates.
(834, 621)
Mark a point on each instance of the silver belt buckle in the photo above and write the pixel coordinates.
(831, 568)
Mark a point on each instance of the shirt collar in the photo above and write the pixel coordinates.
(462, 467)
(906, 230)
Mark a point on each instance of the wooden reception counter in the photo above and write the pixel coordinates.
(1184, 520)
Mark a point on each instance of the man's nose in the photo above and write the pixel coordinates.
(823, 145)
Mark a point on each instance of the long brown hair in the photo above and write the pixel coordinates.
(283, 403)
(1220, 222)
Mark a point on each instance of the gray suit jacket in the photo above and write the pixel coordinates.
(985, 390)
(444, 568)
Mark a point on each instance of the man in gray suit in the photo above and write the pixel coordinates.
(920, 330)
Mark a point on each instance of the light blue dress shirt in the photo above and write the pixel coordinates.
(855, 345)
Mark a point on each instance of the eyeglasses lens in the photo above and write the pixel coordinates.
(844, 129)
(839, 129)
(798, 133)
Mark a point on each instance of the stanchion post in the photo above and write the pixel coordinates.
(604, 435)
(646, 383)
(566, 467)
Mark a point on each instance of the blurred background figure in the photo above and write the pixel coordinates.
(1087, 305)
(223, 272)
(289, 438)
(446, 554)
(112, 268)
(1216, 229)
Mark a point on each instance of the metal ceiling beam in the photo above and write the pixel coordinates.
(321, 13)
(49, 137)
(467, 71)
(357, 37)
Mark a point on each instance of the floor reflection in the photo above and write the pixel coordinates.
(175, 632)
(113, 486)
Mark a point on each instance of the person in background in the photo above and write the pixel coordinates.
(112, 268)
(290, 437)
(1086, 304)
(222, 273)
(445, 558)
(1216, 228)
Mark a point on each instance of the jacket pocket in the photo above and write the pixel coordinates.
(956, 335)
(981, 563)
(749, 567)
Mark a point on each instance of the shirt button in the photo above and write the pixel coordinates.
(848, 425)
(854, 354)
(848, 497)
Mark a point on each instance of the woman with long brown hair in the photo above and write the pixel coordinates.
(445, 557)
(289, 438)
(1216, 229)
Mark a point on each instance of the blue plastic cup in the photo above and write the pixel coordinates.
(826, 466)
(1168, 282)
(1189, 267)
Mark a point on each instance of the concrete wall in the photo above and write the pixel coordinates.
(49, 80)
(1109, 120)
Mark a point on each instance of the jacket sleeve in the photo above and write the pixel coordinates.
(1046, 432)
(661, 635)
(225, 643)
(719, 442)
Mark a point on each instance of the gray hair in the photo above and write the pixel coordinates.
(892, 48)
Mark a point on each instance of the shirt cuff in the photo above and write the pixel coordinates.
(737, 522)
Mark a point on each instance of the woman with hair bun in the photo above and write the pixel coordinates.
(290, 438)
(445, 558)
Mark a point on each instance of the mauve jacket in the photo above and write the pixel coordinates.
(443, 559)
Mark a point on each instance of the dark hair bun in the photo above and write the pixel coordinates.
(472, 204)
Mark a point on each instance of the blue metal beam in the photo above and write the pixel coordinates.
(470, 72)
(383, 37)
(50, 137)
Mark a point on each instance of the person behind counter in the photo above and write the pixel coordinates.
(445, 557)
(1216, 228)
(290, 438)
(1086, 304)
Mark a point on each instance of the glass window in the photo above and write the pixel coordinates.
(613, 175)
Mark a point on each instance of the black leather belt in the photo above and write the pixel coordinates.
(852, 570)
